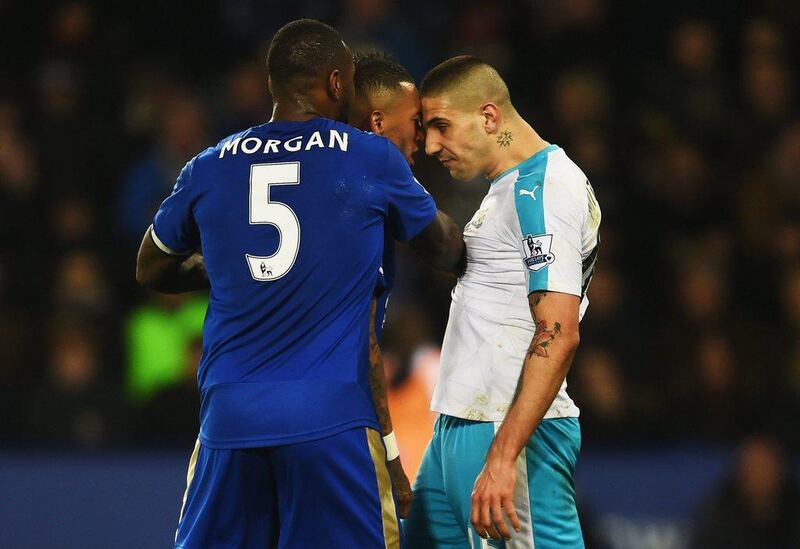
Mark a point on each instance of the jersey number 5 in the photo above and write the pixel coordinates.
(266, 211)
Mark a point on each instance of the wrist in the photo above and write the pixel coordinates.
(392, 451)
(503, 451)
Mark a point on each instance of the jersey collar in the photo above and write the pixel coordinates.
(527, 162)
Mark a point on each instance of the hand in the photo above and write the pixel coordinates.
(493, 495)
(402, 488)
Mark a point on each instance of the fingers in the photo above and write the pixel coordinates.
(401, 486)
(475, 516)
(486, 522)
(511, 511)
(499, 522)
(404, 502)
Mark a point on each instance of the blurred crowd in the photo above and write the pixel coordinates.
(684, 118)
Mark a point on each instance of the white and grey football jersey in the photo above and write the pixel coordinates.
(536, 229)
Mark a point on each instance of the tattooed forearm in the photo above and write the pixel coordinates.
(543, 339)
(504, 139)
(377, 377)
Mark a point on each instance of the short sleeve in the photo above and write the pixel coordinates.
(410, 207)
(174, 228)
(551, 221)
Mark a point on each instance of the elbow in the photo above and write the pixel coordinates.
(148, 278)
(572, 341)
(143, 278)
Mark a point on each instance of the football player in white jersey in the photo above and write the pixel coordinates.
(504, 448)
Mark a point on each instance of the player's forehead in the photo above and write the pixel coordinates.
(438, 108)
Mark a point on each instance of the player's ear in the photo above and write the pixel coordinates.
(335, 86)
(376, 122)
(491, 117)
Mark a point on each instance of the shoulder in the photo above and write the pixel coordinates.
(374, 153)
(564, 174)
(565, 186)
(226, 142)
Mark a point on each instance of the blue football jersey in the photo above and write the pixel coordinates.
(384, 283)
(290, 218)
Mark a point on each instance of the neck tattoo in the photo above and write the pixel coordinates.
(504, 139)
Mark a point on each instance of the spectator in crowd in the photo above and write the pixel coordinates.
(75, 407)
(598, 383)
(247, 100)
(182, 133)
(757, 506)
(80, 286)
(379, 24)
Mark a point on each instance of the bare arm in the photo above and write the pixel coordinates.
(377, 384)
(441, 245)
(377, 376)
(547, 362)
(546, 365)
(169, 274)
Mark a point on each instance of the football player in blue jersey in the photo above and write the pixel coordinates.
(386, 103)
(285, 223)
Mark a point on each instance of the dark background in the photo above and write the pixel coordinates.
(684, 118)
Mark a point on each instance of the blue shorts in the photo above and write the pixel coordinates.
(544, 496)
(333, 492)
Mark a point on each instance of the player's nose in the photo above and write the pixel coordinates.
(432, 146)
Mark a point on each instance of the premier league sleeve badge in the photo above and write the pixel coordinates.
(537, 251)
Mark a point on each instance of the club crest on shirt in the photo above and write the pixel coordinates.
(537, 251)
(477, 219)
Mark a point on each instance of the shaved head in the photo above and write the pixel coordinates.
(468, 117)
(304, 50)
(471, 127)
(467, 82)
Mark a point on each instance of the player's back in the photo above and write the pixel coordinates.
(290, 216)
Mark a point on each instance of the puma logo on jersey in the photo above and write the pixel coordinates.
(523, 192)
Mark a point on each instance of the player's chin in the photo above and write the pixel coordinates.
(458, 173)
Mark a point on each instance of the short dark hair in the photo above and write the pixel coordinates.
(378, 71)
(303, 48)
(449, 74)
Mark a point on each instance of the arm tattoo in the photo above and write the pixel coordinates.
(541, 342)
(504, 139)
(377, 377)
(535, 298)
(543, 338)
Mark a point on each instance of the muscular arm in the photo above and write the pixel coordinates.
(546, 365)
(547, 362)
(377, 376)
(169, 274)
(441, 245)
(377, 384)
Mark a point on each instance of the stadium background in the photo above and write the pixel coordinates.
(684, 118)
